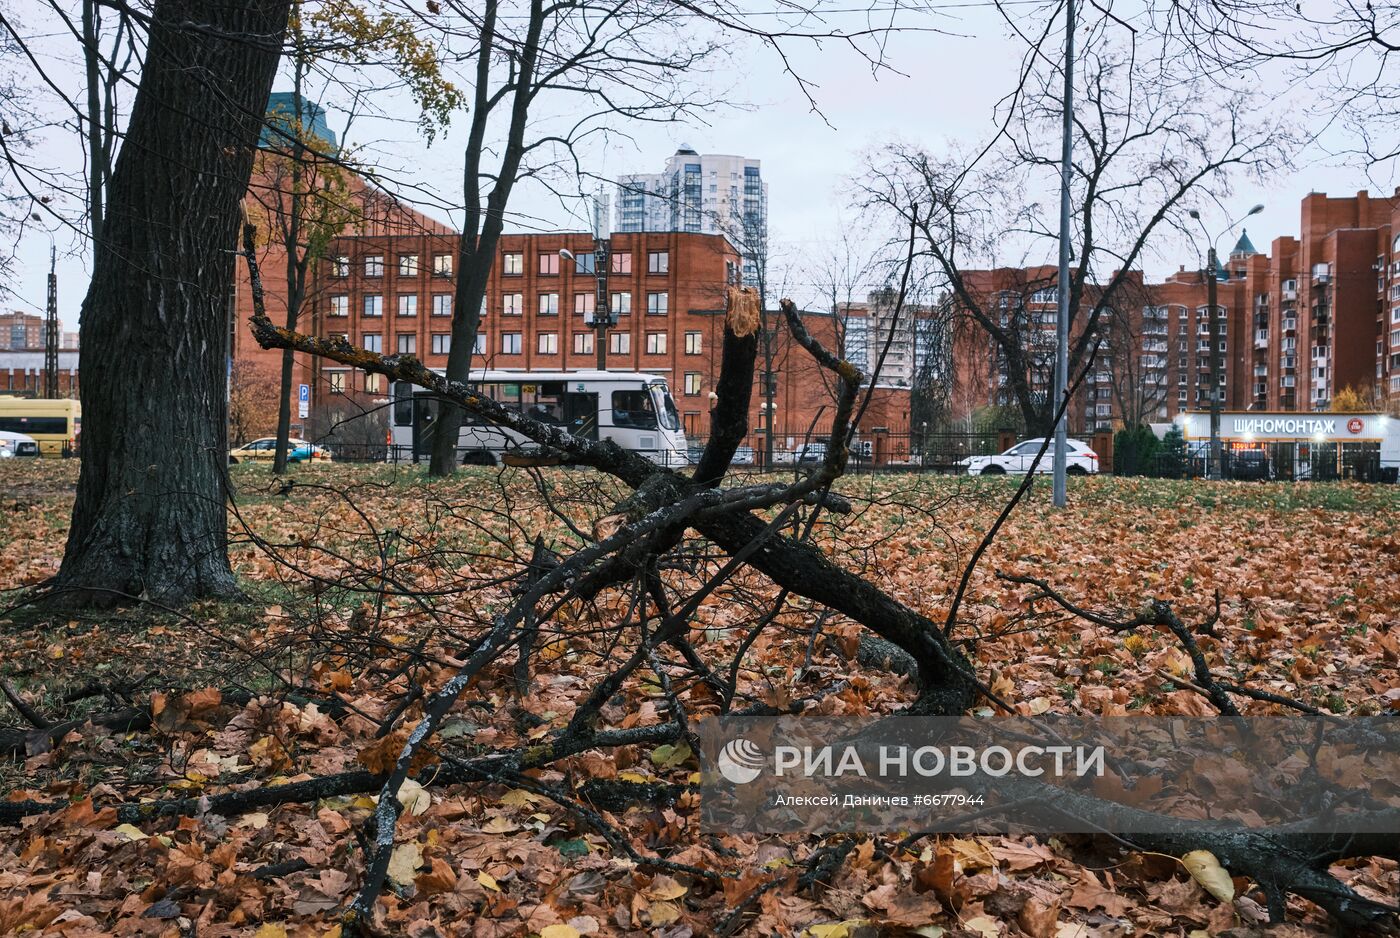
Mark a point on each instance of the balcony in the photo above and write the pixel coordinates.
(1261, 371)
(1290, 325)
(1261, 338)
(1290, 294)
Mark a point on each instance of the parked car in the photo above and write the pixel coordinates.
(1080, 459)
(265, 450)
(18, 444)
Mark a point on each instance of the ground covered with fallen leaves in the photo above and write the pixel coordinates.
(295, 682)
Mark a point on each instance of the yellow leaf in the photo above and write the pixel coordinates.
(664, 887)
(560, 931)
(663, 913)
(829, 930)
(333, 933)
(414, 797)
(983, 925)
(487, 880)
(129, 832)
(499, 825)
(636, 777)
(268, 930)
(257, 821)
(519, 798)
(1206, 870)
(404, 863)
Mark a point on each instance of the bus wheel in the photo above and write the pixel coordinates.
(479, 457)
(1075, 471)
(232, 460)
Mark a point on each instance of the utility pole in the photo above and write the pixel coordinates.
(1212, 292)
(51, 329)
(1062, 284)
(1213, 466)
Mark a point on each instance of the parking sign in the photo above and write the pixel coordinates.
(303, 401)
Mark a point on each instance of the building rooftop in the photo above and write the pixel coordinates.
(1244, 245)
(281, 106)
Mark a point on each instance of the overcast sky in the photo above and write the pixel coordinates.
(946, 93)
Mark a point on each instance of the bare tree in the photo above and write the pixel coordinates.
(1147, 146)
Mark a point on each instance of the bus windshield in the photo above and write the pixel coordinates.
(670, 417)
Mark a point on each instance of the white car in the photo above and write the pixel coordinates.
(17, 444)
(1080, 460)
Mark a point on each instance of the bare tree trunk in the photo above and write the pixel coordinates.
(149, 517)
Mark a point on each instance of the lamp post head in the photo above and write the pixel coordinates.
(566, 254)
(1194, 214)
(1257, 209)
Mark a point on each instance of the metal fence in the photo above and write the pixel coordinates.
(1263, 462)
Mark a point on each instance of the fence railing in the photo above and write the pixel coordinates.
(1278, 461)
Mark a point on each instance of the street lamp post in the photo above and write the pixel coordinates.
(1212, 305)
(602, 311)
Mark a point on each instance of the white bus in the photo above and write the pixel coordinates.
(633, 409)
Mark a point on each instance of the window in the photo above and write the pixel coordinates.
(510, 343)
(512, 304)
(442, 304)
(658, 262)
(408, 265)
(549, 304)
(549, 264)
(442, 265)
(407, 343)
(620, 343)
(374, 384)
(633, 409)
(374, 265)
(584, 304)
(548, 343)
(373, 342)
(480, 347)
(583, 343)
(585, 262)
(657, 303)
(340, 305)
(1048, 295)
(622, 304)
(408, 304)
(621, 263)
(336, 381)
(692, 383)
(512, 265)
(374, 304)
(693, 343)
(656, 343)
(442, 343)
(340, 265)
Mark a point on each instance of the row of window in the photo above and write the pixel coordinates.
(512, 304)
(512, 264)
(691, 385)
(619, 343)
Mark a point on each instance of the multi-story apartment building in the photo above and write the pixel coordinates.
(701, 194)
(394, 294)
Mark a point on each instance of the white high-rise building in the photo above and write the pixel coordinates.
(711, 194)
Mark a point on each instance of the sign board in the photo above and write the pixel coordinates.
(1254, 426)
(303, 401)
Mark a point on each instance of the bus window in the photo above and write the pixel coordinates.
(57, 426)
(403, 404)
(633, 409)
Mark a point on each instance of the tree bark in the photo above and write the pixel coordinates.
(149, 518)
